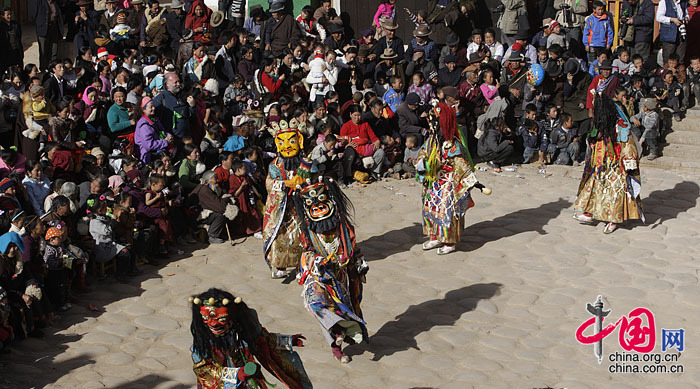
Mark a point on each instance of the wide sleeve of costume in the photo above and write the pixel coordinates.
(280, 360)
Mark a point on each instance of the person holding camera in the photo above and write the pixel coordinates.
(638, 17)
(571, 14)
(672, 14)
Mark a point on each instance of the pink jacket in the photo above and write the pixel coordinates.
(384, 9)
(490, 92)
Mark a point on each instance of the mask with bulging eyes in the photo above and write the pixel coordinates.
(319, 208)
(216, 318)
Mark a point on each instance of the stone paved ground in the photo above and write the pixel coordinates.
(501, 313)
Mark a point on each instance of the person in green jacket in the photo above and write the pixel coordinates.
(118, 114)
(188, 167)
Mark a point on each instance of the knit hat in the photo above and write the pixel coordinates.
(240, 120)
(102, 52)
(121, 18)
(36, 91)
(432, 75)
(517, 47)
(52, 233)
(6, 184)
(212, 86)
(145, 101)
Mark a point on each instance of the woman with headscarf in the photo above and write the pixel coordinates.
(197, 20)
(29, 309)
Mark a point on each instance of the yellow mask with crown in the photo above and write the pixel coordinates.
(288, 138)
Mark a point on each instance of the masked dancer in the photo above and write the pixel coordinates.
(610, 187)
(230, 346)
(332, 267)
(447, 172)
(281, 243)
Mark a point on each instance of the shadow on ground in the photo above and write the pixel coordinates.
(524, 220)
(400, 333)
(38, 362)
(662, 205)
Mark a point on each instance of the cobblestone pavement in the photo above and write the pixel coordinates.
(500, 313)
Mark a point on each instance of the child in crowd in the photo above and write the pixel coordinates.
(693, 83)
(564, 143)
(637, 91)
(622, 64)
(593, 67)
(668, 92)
(211, 146)
(423, 89)
(121, 30)
(37, 185)
(531, 139)
(392, 153)
(236, 95)
(58, 262)
(250, 221)
(637, 65)
(394, 95)
(102, 230)
(156, 199)
(556, 37)
(410, 156)
(598, 31)
(489, 89)
(477, 40)
(417, 18)
(647, 126)
(325, 158)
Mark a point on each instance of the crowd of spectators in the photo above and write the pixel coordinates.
(159, 132)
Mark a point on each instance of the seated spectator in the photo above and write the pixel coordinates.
(37, 186)
(489, 89)
(493, 145)
(394, 95)
(188, 168)
(362, 143)
(325, 159)
(411, 122)
(217, 209)
(450, 75)
(119, 116)
(421, 88)
(150, 137)
(669, 93)
(564, 144)
(647, 126)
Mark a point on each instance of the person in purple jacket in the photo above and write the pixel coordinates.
(150, 136)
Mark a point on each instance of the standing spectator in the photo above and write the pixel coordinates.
(11, 41)
(86, 21)
(154, 33)
(49, 29)
(572, 15)
(693, 44)
(513, 19)
(175, 23)
(280, 30)
(310, 26)
(55, 86)
(641, 21)
(598, 31)
(671, 14)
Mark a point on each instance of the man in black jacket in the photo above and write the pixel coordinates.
(640, 18)
(55, 86)
(49, 29)
(11, 41)
(175, 23)
(389, 41)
